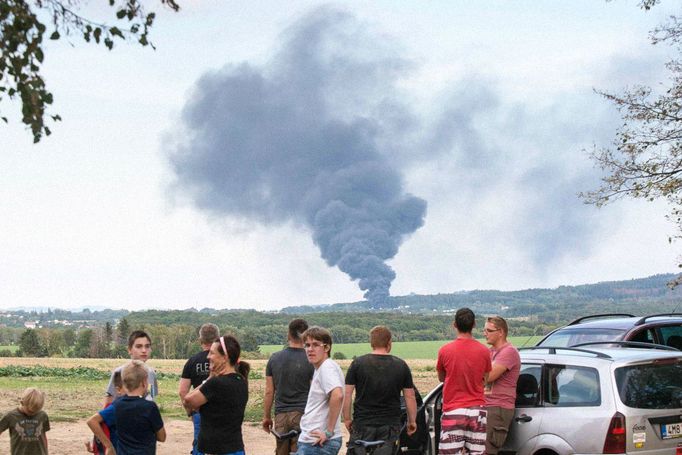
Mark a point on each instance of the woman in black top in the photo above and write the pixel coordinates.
(221, 399)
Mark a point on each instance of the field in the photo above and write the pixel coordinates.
(9, 347)
(407, 350)
(80, 395)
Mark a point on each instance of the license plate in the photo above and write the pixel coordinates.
(671, 430)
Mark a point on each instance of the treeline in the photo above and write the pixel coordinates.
(174, 333)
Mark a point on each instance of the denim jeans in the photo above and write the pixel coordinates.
(241, 452)
(331, 447)
(196, 420)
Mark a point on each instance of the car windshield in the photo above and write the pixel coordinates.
(571, 337)
(651, 386)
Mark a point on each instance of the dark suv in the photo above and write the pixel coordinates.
(663, 329)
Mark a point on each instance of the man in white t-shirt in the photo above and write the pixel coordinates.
(321, 421)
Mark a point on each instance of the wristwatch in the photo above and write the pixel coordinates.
(328, 434)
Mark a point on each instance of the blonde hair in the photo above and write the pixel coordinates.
(134, 374)
(32, 400)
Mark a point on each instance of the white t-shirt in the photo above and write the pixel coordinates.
(326, 378)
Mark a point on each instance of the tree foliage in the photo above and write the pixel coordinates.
(645, 160)
(25, 24)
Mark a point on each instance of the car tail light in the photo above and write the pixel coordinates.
(679, 449)
(615, 436)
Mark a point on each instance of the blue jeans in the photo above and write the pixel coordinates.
(330, 447)
(241, 452)
(196, 420)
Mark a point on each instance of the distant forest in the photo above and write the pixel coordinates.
(411, 318)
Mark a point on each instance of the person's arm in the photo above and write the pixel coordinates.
(194, 399)
(267, 403)
(44, 438)
(497, 371)
(110, 392)
(441, 375)
(183, 388)
(161, 435)
(411, 407)
(347, 401)
(94, 423)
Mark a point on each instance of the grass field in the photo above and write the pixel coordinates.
(11, 347)
(406, 349)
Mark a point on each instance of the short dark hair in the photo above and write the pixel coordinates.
(296, 329)
(320, 334)
(465, 320)
(379, 337)
(135, 335)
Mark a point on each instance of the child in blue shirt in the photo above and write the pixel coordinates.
(137, 421)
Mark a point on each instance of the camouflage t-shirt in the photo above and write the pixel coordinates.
(26, 432)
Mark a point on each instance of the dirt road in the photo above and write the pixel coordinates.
(68, 438)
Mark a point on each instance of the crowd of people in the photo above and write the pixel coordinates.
(309, 392)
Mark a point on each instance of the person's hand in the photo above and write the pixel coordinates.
(110, 451)
(321, 437)
(411, 428)
(349, 424)
(89, 447)
(266, 424)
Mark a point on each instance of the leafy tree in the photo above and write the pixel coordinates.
(83, 342)
(645, 161)
(23, 28)
(30, 344)
(123, 330)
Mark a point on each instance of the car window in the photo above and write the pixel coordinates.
(651, 386)
(643, 336)
(571, 337)
(528, 385)
(572, 386)
(671, 335)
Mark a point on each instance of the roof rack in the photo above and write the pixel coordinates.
(643, 319)
(605, 315)
(553, 349)
(631, 344)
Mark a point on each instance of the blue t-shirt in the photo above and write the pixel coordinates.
(136, 421)
(109, 417)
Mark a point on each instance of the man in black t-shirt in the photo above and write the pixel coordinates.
(378, 379)
(196, 371)
(287, 382)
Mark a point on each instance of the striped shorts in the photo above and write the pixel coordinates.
(463, 429)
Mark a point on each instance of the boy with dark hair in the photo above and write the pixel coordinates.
(139, 348)
(463, 366)
(287, 382)
(137, 420)
(378, 378)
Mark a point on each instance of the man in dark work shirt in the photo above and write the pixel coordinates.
(287, 381)
(196, 371)
(378, 380)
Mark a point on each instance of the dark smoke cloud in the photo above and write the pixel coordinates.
(303, 139)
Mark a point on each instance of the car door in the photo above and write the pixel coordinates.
(528, 415)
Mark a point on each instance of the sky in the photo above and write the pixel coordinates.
(270, 154)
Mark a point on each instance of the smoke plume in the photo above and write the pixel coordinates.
(303, 139)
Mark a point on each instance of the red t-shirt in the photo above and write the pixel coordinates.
(464, 362)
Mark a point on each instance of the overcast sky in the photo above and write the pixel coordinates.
(267, 152)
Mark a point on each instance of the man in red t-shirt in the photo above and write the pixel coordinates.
(500, 391)
(463, 366)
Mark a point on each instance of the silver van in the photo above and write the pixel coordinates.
(589, 401)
